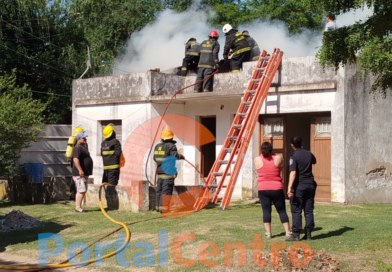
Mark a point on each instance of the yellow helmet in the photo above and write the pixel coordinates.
(78, 129)
(190, 39)
(167, 133)
(108, 131)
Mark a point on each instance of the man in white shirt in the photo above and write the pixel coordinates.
(331, 25)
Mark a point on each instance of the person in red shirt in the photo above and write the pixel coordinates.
(270, 188)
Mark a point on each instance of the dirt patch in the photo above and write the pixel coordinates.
(17, 260)
(321, 261)
(17, 220)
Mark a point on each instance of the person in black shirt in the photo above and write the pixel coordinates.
(111, 154)
(301, 189)
(208, 63)
(255, 52)
(82, 168)
(236, 42)
(192, 56)
(164, 152)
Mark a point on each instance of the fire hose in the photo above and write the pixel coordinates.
(66, 263)
(164, 112)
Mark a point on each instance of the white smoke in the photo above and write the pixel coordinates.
(350, 18)
(160, 44)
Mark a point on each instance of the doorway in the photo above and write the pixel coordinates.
(208, 151)
(315, 131)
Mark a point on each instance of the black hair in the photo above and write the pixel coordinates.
(266, 149)
(331, 16)
(168, 141)
(296, 141)
(247, 32)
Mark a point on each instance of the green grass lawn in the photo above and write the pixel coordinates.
(360, 236)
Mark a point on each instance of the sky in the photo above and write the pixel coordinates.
(160, 44)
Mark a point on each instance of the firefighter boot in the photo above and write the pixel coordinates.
(308, 235)
(294, 236)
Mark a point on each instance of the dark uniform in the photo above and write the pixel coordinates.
(208, 63)
(192, 57)
(240, 47)
(304, 189)
(165, 181)
(255, 50)
(111, 154)
(72, 187)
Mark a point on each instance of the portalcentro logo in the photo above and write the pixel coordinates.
(135, 152)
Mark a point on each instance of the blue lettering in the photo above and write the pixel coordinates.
(43, 252)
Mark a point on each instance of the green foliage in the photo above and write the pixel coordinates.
(47, 43)
(20, 122)
(178, 5)
(296, 14)
(369, 42)
(107, 25)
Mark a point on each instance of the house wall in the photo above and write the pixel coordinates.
(50, 151)
(300, 85)
(368, 141)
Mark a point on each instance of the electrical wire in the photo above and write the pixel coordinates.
(52, 94)
(121, 70)
(33, 59)
(35, 36)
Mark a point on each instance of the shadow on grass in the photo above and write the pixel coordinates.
(337, 232)
(284, 233)
(6, 204)
(13, 263)
(211, 205)
(30, 235)
(99, 209)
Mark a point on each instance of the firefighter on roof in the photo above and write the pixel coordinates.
(239, 45)
(208, 63)
(192, 56)
(166, 156)
(111, 154)
(253, 45)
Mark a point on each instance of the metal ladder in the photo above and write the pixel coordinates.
(236, 143)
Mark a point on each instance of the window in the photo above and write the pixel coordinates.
(322, 127)
(273, 127)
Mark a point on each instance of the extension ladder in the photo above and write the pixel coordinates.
(236, 143)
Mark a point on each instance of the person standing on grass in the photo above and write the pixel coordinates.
(270, 188)
(82, 168)
(302, 188)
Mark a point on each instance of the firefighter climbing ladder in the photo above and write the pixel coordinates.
(231, 156)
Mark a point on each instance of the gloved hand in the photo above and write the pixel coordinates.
(225, 57)
(216, 65)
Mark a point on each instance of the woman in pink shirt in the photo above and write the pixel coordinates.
(271, 188)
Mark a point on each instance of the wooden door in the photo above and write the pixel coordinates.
(273, 130)
(320, 144)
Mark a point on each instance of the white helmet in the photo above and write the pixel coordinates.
(226, 28)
